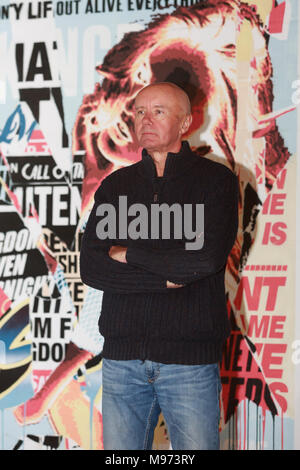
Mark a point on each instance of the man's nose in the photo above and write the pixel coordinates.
(147, 117)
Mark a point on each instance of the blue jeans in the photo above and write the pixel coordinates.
(135, 392)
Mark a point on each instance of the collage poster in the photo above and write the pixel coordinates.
(69, 73)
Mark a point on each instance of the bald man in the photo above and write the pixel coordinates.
(163, 315)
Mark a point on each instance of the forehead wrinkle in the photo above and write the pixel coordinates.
(181, 99)
(153, 106)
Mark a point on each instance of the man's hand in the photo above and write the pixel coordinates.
(171, 285)
(118, 253)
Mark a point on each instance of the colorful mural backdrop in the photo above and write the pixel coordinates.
(69, 73)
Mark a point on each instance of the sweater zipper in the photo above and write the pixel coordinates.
(146, 339)
(156, 188)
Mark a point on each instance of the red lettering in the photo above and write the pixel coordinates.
(266, 204)
(276, 18)
(235, 354)
(266, 327)
(278, 231)
(277, 323)
(276, 387)
(244, 323)
(273, 283)
(277, 204)
(274, 204)
(39, 379)
(278, 236)
(259, 328)
(253, 298)
(280, 179)
(266, 235)
(259, 347)
(272, 356)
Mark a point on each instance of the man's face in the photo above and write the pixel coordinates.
(160, 119)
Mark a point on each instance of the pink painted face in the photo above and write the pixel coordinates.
(160, 119)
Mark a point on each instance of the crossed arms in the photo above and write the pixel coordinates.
(105, 265)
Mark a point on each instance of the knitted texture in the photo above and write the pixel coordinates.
(140, 317)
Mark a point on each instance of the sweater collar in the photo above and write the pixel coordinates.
(176, 163)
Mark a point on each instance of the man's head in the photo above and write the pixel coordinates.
(162, 116)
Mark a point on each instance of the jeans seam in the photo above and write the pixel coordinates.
(157, 373)
(148, 424)
(218, 403)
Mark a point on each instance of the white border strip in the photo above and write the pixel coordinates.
(297, 274)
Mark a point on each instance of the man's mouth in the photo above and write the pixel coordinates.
(145, 133)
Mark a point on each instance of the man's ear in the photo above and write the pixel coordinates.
(187, 121)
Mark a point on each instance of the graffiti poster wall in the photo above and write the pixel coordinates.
(69, 73)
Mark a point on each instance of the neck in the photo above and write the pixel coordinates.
(159, 159)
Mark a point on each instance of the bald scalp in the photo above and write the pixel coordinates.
(182, 98)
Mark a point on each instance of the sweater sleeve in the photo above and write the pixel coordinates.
(183, 266)
(100, 271)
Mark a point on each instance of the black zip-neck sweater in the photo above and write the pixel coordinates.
(140, 317)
